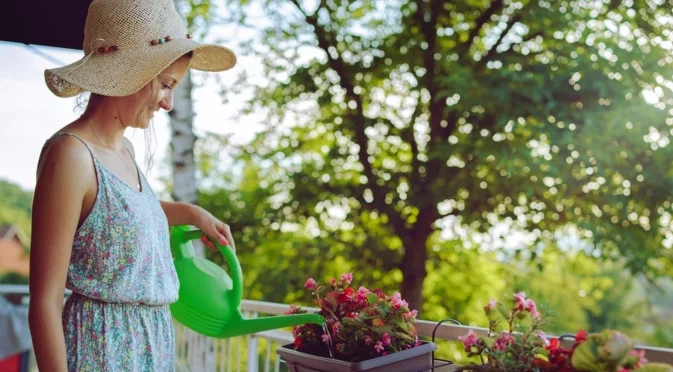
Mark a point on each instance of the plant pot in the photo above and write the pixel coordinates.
(414, 359)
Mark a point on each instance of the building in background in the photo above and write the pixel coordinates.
(14, 259)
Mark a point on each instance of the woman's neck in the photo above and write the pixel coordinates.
(103, 119)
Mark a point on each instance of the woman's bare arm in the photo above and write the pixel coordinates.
(64, 178)
(178, 213)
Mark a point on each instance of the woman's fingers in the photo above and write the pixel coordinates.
(209, 243)
(219, 232)
(226, 234)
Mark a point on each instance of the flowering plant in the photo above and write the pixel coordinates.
(359, 325)
(526, 348)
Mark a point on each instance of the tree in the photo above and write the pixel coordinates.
(389, 121)
(15, 206)
(184, 187)
(183, 139)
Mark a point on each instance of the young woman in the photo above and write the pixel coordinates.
(98, 229)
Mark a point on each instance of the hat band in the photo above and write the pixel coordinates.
(166, 39)
(96, 47)
(101, 45)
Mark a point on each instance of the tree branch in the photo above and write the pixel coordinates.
(532, 36)
(496, 5)
(491, 52)
(452, 123)
(407, 134)
(429, 30)
(427, 16)
(336, 63)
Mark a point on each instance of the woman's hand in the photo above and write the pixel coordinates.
(213, 228)
(189, 214)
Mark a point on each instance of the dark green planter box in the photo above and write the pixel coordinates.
(415, 359)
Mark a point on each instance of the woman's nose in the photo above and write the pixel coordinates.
(167, 102)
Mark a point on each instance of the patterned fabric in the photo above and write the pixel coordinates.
(122, 277)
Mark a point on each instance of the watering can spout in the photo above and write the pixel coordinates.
(248, 326)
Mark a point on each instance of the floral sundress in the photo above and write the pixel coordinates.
(122, 280)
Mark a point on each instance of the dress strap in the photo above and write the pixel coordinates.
(46, 143)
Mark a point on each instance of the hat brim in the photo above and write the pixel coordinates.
(126, 71)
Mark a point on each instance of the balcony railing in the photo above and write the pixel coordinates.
(256, 352)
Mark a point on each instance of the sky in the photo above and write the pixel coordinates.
(30, 113)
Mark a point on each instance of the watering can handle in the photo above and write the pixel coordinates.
(229, 255)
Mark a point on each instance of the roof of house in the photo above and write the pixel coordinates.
(13, 232)
(5, 230)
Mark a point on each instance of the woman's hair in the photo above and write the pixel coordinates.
(82, 104)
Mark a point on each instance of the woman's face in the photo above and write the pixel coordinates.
(137, 110)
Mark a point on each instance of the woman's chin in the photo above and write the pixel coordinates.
(145, 123)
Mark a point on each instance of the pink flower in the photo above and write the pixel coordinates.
(362, 293)
(491, 304)
(347, 278)
(310, 284)
(411, 314)
(378, 347)
(398, 301)
(532, 308)
(292, 310)
(640, 354)
(469, 339)
(520, 301)
(333, 282)
(368, 340)
(325, 338)
(385, 338)
(503, 341)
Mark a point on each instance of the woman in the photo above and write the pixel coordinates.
(98, 228)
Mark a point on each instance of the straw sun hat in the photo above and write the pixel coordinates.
(129, 42)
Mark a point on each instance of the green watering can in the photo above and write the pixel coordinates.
(209, 300)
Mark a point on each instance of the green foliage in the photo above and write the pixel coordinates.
(13, 278)
(504, 351)
(15, 206)
(410, 140)
(532, 115)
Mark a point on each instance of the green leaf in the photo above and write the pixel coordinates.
(503, 311)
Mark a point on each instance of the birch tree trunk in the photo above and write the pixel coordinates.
(182, 145)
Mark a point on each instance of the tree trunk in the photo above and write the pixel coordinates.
(413, 270)
(182, 145)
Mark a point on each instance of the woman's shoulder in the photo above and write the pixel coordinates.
(66, 145)
(65, 151)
